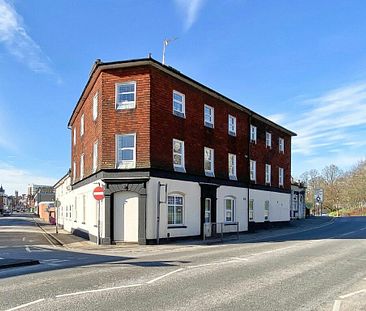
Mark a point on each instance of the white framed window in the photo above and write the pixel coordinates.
(126, 95)
(281, 145)
(76, 210)
(209, 161)
(232, 166)
(82, 166)
(280, 176)
(232, 125)
(266, 210)
(251, 210)
(178, 155)
(179, 107)
(82, 125)
(84, 210)
(268, 140)
(126, 151)
(95, 106)
(209, 115)
(74, 136)
(253, 170)
(74, 172)
(229, 209)
(175, 209)
(95, 156)
(268, 174)
(253, 134)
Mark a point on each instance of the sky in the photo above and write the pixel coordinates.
(300, 63)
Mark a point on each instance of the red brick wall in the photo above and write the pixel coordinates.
(154, 92)
(192, 131)
(126, 121)
(92, 132)
(264, 155)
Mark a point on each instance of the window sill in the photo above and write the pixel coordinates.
(177, 227)
(233, 134)
(233, 178)
(230, 223)
(126, 166)
(209, 174)
(126, 108)
(253, 142)
(179, 114)
(209, 125)
(179, 169)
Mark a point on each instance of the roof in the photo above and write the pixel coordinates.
(62, 179)
(100, 66)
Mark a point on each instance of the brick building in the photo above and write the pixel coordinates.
(140, 128)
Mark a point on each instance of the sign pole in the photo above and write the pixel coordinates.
(98, 194)
(98, 224)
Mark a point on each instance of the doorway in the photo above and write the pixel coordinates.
(208, 208)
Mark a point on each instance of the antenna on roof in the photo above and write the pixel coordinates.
(165, 44)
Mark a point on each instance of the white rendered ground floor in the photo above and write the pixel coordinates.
(141, 208)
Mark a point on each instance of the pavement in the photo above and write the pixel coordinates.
(70, 241)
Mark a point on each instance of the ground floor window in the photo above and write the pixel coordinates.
(229, 209)
(251, 210)
(175, 209)
(266, 210)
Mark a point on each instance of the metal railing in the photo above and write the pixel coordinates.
(217, 230)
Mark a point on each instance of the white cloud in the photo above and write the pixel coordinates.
(13, 178)
(330, 120)
(17, 41)
(190, 10)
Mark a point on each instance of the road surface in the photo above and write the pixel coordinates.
(323, 268)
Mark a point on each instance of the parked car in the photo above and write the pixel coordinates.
(7, 212)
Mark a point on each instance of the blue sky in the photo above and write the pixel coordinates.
(300, 63)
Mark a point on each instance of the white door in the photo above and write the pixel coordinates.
(125, 216)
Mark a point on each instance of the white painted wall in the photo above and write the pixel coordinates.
(192, 197)
(279, 205)
(73, 201)
(241, 206)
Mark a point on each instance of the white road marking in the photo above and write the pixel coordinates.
(23, 239)
(27, 249)
(163, 276)
(337, 305)
(241, 259)
(26, 304)
(97, 290)
(353, 294)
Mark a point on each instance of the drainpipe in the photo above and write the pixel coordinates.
(248, 189)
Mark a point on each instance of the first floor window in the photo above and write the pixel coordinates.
(280, 176)
(126, 151)
(229, 209)
(232, 166)
(95, 106)
(266, 210)
(268, 174)
(82, 166)
(175, 209)
(281, 145)
(95, 157)
(232, 125)
(74, 172)
(209, 161)
(251, 210)
(209, 116)
(82, 125)
(253, 133)
(253, 170)
(126, 95)
(178, 104)
(178, 154)
(268, 139)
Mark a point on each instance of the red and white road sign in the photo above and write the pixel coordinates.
(98, 193)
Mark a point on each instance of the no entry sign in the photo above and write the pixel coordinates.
(98, 193)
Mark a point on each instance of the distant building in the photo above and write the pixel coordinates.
(298, 204)
(39, 193)
(2, 199)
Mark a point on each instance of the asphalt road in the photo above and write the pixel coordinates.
(319, 269)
